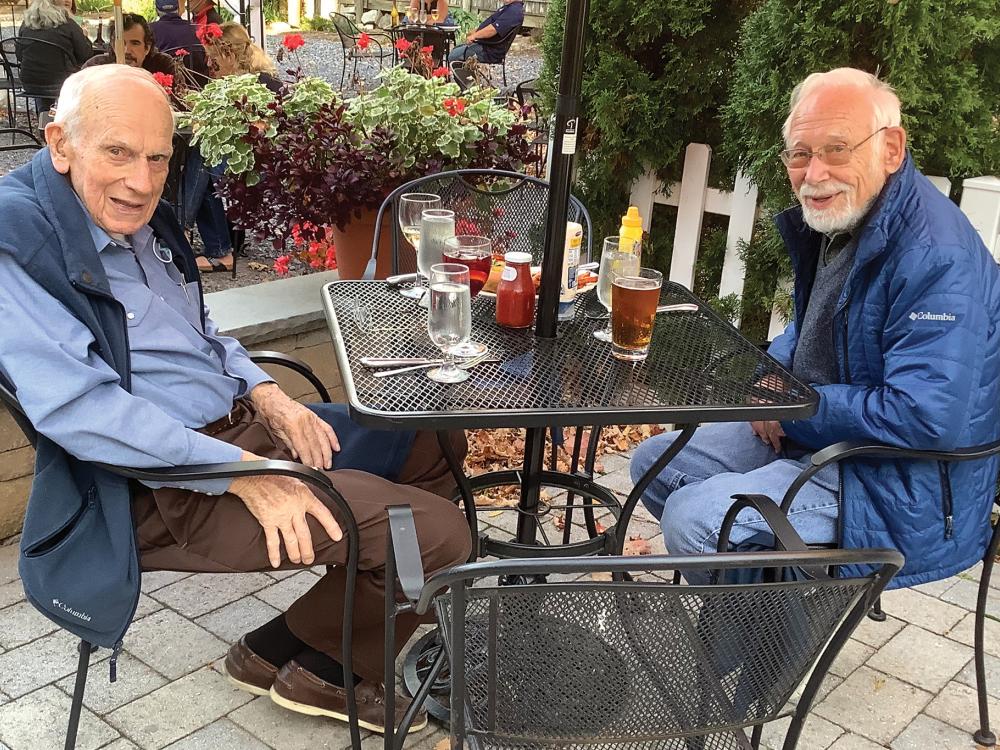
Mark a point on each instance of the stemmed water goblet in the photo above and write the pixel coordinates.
(411, 208)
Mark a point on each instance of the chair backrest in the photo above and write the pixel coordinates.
(636, 663)
(37, 54)
(8, 58)
(509, 208)
(346, 29)
(461, 75)
(9, 398)
(503, 43)
(31, 144)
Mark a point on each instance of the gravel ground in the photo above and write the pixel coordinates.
(321, 56)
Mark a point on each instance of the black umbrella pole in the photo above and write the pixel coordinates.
(565, 130)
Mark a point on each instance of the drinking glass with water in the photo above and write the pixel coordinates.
(449, 321)
(618, 258)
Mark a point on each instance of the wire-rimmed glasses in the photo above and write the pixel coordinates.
(411, 208)
(833, 155)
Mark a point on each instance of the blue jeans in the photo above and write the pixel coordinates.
(693, 493)
(204, 207)
(464, 51)
(379, 452)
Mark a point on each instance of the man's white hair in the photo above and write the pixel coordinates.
(45, 14)
(78, 91)
(883, 97)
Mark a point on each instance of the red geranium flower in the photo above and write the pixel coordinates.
(181, 52)
(364, 40)
(402, 45)
(164, 79)
(208, 33)
(441, 72)
(292, 42)
(281, 265)
(427, 50)
(454, 106)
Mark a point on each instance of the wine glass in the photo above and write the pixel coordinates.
(617, 259)
(476, 254)
(411, 206)
(422, 14)
(411, 14)
(449, 321)
(434, 14)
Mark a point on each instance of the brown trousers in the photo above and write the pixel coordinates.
(188, 531)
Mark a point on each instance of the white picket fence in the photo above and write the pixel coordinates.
(694, 198)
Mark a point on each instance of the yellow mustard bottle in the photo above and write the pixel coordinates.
(631, 229)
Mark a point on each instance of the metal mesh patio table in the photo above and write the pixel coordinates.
(699, 369)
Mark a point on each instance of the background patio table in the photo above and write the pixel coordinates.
(699, 369)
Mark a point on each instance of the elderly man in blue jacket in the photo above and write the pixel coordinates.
(897, 302)
(115, 360)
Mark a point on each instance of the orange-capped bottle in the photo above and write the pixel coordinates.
(516, 292)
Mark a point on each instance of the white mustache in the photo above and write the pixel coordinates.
(824, 189)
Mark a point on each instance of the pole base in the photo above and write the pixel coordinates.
(877, 615)
(985, 738)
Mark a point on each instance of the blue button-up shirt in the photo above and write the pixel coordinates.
(183, 377)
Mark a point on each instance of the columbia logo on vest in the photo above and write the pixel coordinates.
(948, 317)
(66, 608)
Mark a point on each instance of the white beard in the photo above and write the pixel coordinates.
(847, 218)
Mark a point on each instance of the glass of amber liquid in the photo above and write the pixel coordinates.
(633, 312)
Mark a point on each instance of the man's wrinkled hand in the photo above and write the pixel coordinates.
(310, 440)
(769, 432)
(280, 505)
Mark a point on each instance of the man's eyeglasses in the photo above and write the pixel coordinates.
(836, 155)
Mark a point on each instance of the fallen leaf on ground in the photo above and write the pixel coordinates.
(256, 265)
(638, 546)
(444, 744)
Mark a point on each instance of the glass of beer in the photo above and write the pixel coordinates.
(633, 312)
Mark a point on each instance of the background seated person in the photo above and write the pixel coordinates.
(508, 18)
(431, 7)
(139, 49)
(231, 54)
(897, 326)
(172, 33)
(44, 67)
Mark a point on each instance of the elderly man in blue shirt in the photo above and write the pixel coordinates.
(115, 360)
(508, 18)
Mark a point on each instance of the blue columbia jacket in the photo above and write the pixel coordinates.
(79, 563)
(916, 339)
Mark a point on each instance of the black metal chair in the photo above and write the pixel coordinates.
(502, 45)
(424, 36)
(509, 207)
(11, 83)
(31, 144)
(634, 661)
(527, 95)
(379, 47)
(30, 52)
(848, 450)
(461, 75)
(312, 477)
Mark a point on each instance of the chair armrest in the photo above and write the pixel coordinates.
(404, 550)
(785, 536)
(292, 363)
(853, 449)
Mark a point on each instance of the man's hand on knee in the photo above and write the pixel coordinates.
(310, 440)
(280, 505)
(769, 432)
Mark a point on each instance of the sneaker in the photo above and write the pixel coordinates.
(248, 671)
(300, 690)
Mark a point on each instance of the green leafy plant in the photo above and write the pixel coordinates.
(467, 21)
(429, 116)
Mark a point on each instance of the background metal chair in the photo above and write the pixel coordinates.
(312, 477)
(379, 47)
(30, 52)
(12, 81)
(527, 95)
(501, 45)
(28, 140)
(635, 660)
(849, 450)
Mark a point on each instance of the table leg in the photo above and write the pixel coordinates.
(531, 485)
(633, 497)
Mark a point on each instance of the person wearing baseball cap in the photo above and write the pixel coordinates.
(175, 36)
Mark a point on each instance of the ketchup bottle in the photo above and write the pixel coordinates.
(516, 292)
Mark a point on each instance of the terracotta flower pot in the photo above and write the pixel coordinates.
(354, 246)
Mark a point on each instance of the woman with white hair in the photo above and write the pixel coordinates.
(50, 46)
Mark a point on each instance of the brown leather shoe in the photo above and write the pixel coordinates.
(248, 671)
(300, 690)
